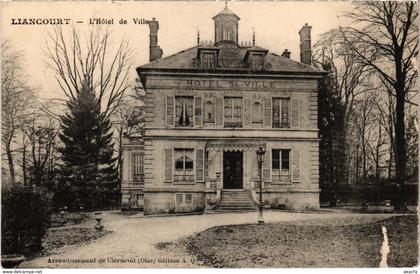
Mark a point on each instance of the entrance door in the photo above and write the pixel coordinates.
(232, 170)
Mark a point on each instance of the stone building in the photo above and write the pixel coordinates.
(208, 109)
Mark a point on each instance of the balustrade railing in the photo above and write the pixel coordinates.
(211, 184)
(280, 177)
(184, 178)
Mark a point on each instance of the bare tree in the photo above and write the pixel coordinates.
(348, 78)
(75, 59)
(16, 100)
(383, 36)
(41, 133)
(364, 125)
(350, 75)
(128, 119)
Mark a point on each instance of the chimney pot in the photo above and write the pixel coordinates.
(286, 53)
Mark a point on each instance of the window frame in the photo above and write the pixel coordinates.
(192, 118)
(205, 65)
(257, 61)
(280, 123)
(241, 123)
(280, 159)
(141, 167)
(190, 174)
(183, 206)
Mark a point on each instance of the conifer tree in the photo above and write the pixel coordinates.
(331, 144)
(88, 172)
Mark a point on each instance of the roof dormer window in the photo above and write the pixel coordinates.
(255, 58)
(208, 60)
(257, 62)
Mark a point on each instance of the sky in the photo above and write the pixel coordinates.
(276, 26)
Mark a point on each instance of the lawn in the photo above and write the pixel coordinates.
(71, 229)
(70, 236)
(323, 243)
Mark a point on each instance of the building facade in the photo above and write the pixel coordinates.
(208, 109)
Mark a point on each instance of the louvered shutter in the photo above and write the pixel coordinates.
(219, 111)
(296, 163)
(199, 165)
(247, 112)
(168, 165)
(295, 112)
(170, 111)
(267, 112)
(133, 166)
(198, 113)
(266, 168)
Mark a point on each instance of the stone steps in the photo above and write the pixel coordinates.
(236, 200)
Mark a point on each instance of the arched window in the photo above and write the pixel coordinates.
(257, 114)
(209, 112)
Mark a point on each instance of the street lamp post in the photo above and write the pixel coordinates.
(260, 159)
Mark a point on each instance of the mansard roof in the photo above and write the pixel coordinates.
(186, 60)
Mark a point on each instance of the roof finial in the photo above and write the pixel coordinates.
(225, 4)
(253, 37)
(198, 36)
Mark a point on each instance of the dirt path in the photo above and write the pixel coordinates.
(132, 245)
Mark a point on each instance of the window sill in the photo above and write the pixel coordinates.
(184, 183)
(281, 183)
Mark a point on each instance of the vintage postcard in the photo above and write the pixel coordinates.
(209, 134)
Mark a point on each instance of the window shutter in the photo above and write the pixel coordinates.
(219, 111)
(266, 168)
(199, 165)
(247, 112)
(198, 113)
(267, 112)
(295, 112)
(170, 111)
(133, 166)
(168, 165)
(296, 161)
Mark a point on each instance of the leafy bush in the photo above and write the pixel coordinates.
(25, 218)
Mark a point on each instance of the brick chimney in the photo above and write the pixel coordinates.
(305, 44)
(155, 52)
(286, 53)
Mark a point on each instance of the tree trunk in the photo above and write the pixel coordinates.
(24, 160)
(10, 162)
(392, 143)
(377, 154)
(400, 147)
(364, 157)
(120, 154)
(357, 164)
